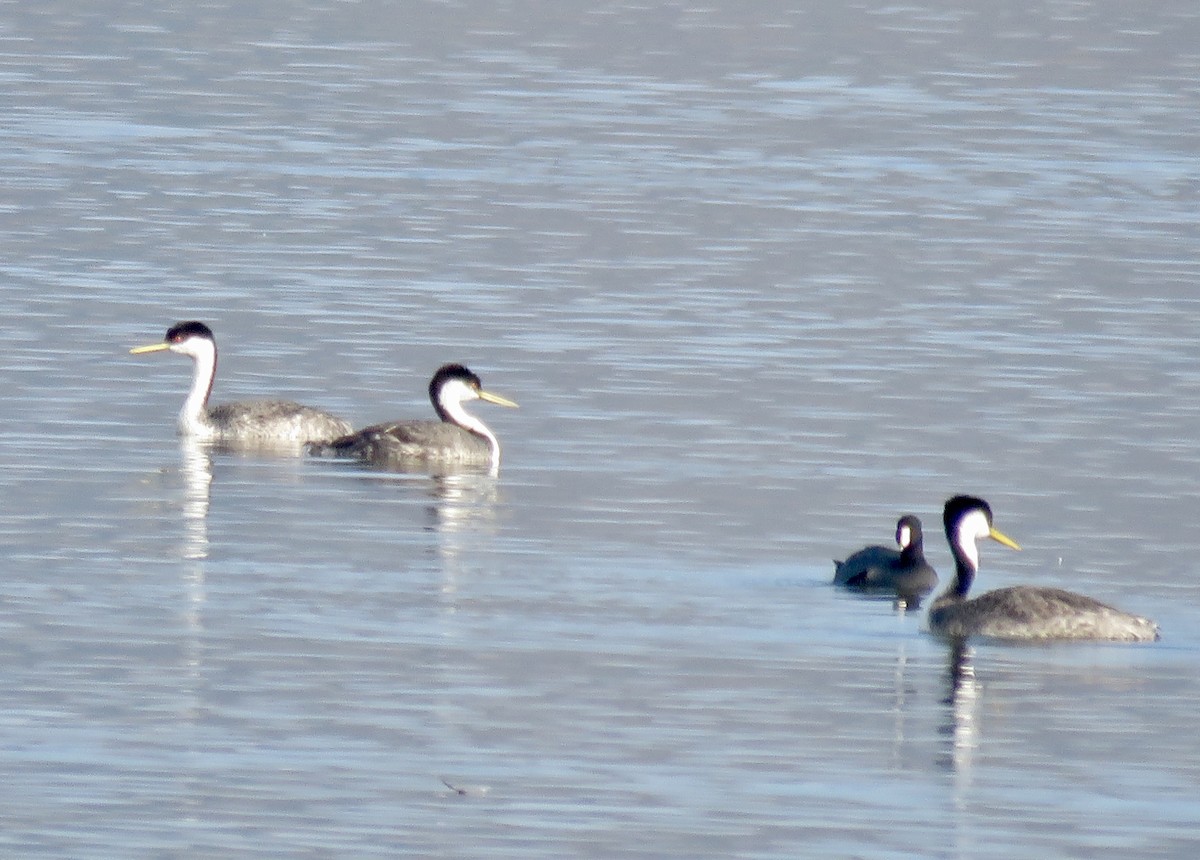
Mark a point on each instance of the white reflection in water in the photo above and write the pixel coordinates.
(961, 737)
(962, 728)
(197, 471)
(901, 703)
(196, 468)
(463, 507)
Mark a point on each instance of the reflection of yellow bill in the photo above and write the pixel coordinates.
(1000, 537)
(483, 395)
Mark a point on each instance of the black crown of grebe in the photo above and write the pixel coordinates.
(903, 572)
(1023, 612)
(457, 438)
(248, 421)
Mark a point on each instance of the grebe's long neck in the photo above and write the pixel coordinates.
(448, 394)
(193, 417)
(968, 520)
(966, 561)
(452, 411)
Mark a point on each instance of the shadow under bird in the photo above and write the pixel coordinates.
(458, 438)
(1024, 613)
(881, 569)
(247, 421)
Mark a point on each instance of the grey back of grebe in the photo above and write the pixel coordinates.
(1024, 612)
(903, 571)
(251, 422)
(458, 438)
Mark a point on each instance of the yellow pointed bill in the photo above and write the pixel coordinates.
(497, 399)
(1000, 537)
(153, 347)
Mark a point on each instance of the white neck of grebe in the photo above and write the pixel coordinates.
(193, 417)
(451, 398)
(972, 528)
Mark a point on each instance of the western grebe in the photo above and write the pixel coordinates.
(247, 421)
(458, 438)
(879, 568)
(1023, 612)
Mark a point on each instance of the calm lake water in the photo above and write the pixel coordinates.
(761, 279)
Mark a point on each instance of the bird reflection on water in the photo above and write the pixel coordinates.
(962, 700)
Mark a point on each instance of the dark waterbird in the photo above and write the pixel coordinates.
(903, 572)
